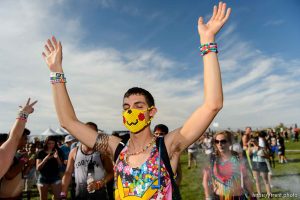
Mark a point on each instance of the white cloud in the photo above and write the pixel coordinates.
(255, 93)
(274, 22)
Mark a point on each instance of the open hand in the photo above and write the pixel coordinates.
(53, 55)
(208, 31)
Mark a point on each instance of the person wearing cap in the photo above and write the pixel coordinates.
(13, 182)
(9, 147)
(66, 148)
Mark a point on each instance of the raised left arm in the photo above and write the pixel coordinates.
(199, 121)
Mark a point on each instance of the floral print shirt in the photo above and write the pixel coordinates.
(137, 183)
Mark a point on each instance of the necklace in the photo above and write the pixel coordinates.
(143, 150)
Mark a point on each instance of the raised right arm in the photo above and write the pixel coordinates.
(64, 107)
(9, 148)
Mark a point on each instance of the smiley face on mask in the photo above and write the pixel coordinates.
(134, 119)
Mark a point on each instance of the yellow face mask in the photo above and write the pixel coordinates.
(134, 120)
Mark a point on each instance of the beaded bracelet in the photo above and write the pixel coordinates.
(57, 77)
(209, 47)
(22, 115)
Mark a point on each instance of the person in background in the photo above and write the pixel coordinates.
(83, 160)
(13, 182)
(192, 154)
(66, 147)
(281, 148)
(48, 163)
(226, 176)
(236, 146)
(162, 130)
(207, 144)
(259, 165)
(9, 147)
(30, 178)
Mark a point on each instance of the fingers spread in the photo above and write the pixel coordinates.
(54, 41)
(219, 10)
(50, 45)
(200, 20)
(33, 103)
(227, 15)
(223, 9)
(44, 55)
(28, 100)
(47, 49)
(215, 9)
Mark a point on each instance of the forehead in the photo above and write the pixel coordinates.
(220, 137)
(134, 98)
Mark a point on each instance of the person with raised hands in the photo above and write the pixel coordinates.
(9, 148)
(140, 156)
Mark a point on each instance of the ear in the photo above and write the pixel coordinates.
(153, 111)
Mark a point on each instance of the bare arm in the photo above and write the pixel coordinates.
(40, 163)
(63, 105)
(14, 170)
(66, 180)
(109, 169)
(208, 190)
(198, 122)
(9, 148)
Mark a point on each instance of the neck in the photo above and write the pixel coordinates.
(225, 155)
(141, 139)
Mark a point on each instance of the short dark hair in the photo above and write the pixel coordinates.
(3, 137)
(136, 90)
(93, 125)
(163, 128)
(26, 132)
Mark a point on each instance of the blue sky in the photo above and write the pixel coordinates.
(110, 46)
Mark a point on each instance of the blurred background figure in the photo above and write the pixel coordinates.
(13, 182)
(82, 161)
(48, 163)
(192, 154)
(226, 176)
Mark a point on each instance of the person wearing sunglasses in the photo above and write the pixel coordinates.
(226, 177)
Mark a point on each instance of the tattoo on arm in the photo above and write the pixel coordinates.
(101, 143)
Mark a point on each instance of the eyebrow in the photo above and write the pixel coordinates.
(135, 103)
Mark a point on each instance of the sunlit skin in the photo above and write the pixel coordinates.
(223, 148)
(225, 154)
(177, 140)
(139, 102)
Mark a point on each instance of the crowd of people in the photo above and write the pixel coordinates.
(234, 163)
(145, 164)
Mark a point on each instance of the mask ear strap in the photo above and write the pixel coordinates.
(148, 109)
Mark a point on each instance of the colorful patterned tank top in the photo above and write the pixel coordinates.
(136, 183)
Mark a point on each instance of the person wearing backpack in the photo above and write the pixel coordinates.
(140, 171)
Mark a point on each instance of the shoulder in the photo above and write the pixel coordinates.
(73, 153)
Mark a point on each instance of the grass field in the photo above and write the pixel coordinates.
(286, 177)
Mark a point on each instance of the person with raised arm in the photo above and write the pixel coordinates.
(9, 148)
(139, 171)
